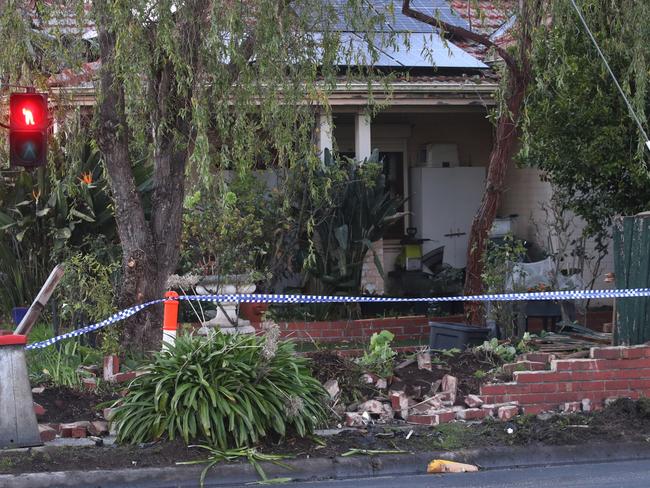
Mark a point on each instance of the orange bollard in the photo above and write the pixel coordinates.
(170, 319)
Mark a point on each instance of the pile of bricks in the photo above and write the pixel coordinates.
(81, 429)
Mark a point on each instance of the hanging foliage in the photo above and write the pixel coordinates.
(577, 128)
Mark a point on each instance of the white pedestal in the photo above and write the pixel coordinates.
(227, 314)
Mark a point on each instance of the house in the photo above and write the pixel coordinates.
(434, 135)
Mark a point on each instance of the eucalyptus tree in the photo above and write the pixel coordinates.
(577, 128)
(191, 87)
(525, 17)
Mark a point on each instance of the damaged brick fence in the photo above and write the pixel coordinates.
(404, 328)
(575, 384)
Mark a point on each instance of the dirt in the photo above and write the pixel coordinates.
(624, 420)
(463, 366)
(68, 405)
(327, 365)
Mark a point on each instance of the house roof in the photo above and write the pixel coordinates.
(417, 46)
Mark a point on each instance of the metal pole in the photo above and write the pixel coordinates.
(37, 306)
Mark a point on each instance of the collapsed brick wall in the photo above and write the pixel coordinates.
(609, 372)
(404, 328)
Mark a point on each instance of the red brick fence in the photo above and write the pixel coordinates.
(404, 328)
(609, 372)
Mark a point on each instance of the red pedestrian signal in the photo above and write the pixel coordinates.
(28, 126)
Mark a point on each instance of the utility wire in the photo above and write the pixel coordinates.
(602, 56)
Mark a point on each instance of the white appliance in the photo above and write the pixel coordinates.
(443, 204)
(439, 156)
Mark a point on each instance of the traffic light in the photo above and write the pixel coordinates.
(28, 126)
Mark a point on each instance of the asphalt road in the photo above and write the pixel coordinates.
(629, 474)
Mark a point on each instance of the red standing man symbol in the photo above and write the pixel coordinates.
(29, 117)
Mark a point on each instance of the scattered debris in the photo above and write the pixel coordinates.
(450, 387)
(372, 407)
(354, 419)
(443, 466)
(473, 401)
(405, 363)
(332, 387)
(372, 452)
(424, 360)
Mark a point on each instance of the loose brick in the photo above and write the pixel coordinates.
(108, 413)
(123, 377)
(98, 427)
(111, 366)
(586, 405)
(473, 401)
(571, 407)
(39, 410)
(430, 419)
(471, 414)
(450, 385)
(445, 416)
(399, 403)
(47, 433)
(507, 412)
(75, 429)
(89, 383)
(353, 419)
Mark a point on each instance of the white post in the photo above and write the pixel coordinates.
(362, 136)
(324, 128)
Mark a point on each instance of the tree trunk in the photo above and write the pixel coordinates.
(141, 279)
(500, 157)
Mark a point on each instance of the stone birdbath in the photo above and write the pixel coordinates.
(226, 318)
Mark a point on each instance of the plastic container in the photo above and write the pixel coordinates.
(18, 314)
(445, 335)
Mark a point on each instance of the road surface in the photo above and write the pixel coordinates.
(628, 474)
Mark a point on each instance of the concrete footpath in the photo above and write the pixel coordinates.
(328, 468)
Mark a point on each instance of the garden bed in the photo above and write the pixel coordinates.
(63, 404)
(623, 421)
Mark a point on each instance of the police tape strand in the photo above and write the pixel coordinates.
(294, 299)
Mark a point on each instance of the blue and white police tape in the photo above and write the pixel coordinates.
(272, 298)
(113, 319)
(499, 297)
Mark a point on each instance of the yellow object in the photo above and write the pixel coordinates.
(442, 466)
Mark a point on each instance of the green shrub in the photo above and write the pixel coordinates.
(228, 390)
(379, 359)
(58, 365)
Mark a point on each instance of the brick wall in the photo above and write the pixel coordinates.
(404, 328)
(609, 372)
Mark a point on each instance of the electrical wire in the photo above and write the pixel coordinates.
(602, 56)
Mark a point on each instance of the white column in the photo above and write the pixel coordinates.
(362, 144)
(324, 129)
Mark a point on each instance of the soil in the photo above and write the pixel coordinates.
(327, 365)
(463, 366)
(68, 405)
(624, 420)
